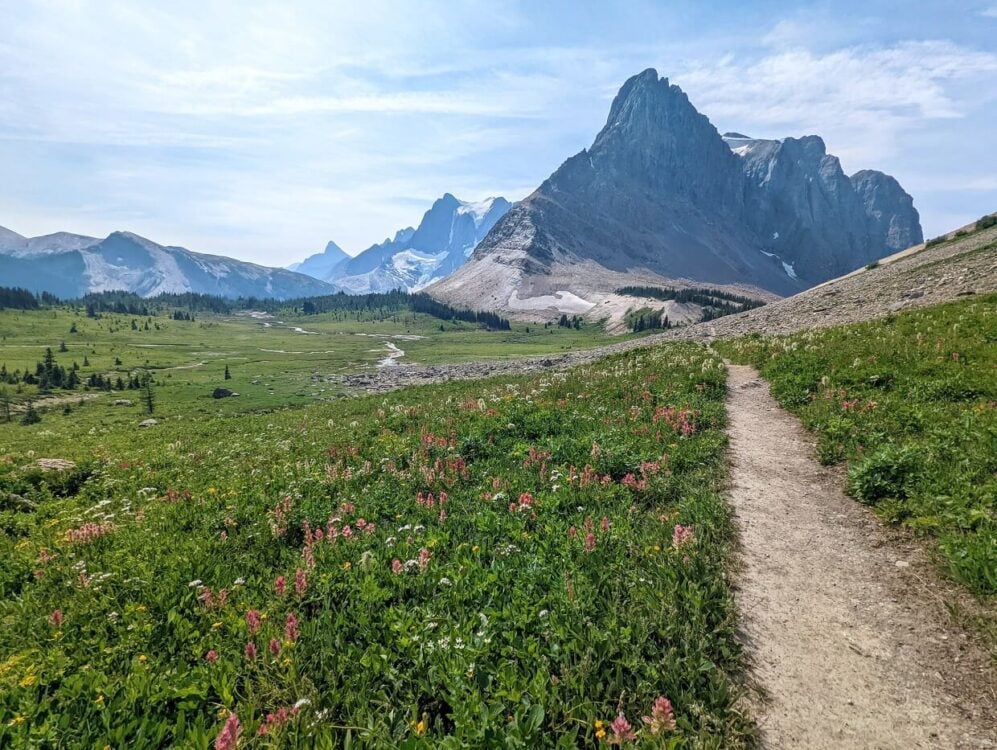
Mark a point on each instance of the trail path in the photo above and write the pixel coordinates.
(845, 628)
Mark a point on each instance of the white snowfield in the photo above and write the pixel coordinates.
(563, 301)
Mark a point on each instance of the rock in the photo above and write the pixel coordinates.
(122, 402)
(55, 464)
(661, 190)
(223, 393)
(148, 423)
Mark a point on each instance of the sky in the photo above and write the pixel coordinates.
(261, 130)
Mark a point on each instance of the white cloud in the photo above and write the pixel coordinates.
(990, 12)
(861, 99)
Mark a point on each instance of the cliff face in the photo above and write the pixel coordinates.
(661, 192)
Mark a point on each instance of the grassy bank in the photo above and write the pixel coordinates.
(513, 562)
(909, 402)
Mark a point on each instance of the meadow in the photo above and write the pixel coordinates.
(515, 562)
(909, 404)
(280, 360)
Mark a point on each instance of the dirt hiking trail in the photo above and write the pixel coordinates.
(848, 640)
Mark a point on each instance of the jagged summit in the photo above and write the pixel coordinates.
(660, 194)
(415, 257)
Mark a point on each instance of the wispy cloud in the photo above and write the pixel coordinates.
(264, 129)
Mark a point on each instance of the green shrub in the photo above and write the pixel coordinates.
(886, 474)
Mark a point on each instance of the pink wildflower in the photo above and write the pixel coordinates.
(211, 656)
(424, 555)
(274, 646)
(280, 585)
(253, 621)
(590, 542)
(572, 532)
(605, 524)
(249, 652)
(662, 718)
(291, 627)
(396, 566)
(681, 535)
(56, 617)
(228, 738)
(300, 582)
(622, 731)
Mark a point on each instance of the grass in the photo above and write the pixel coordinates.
(576, 571)
(909, 403)
(271, 364)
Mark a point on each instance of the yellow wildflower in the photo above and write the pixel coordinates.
(212, 491)
(141, 608)
(99, 700)
(419, 727)
(600, 730)
(28, 680)
(347, 565)
(216, 625)
(142, 658)
(475, 549)
(18, 719)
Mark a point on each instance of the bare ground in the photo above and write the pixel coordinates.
(847, 634)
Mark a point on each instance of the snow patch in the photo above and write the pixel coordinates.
(561, 300)
(788, 268)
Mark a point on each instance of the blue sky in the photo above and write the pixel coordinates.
(261, 130)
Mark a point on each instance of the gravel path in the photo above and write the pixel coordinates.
(848, 639)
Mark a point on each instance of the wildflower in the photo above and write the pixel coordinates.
(216, 625)
(211, 656)
(681, 535)
(572, 532)
(590, 542)
(252, 621)
(604, 525)
(622, 731)
(291, 627)
(300, 582)
(274, 646)
(228, 738)
(419, 727)
(396, 566)
(249, 652)
(55, 619)
(346, 565)
(424, 556)
(142, 658)
(280, 585)
(17, 720)
(662, 718)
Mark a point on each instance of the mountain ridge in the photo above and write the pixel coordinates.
(660, 195)
(414, 257)
(71, 265)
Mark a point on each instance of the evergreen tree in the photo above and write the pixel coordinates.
(30, 416)
(148, 397)
(228, 375)
(5, 405)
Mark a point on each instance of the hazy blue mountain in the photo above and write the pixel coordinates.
(414, 258)
(321, 265)
(70, 265)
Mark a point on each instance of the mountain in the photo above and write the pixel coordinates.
(414, 258)
(321, 265)
(662, 198)
(71, 265)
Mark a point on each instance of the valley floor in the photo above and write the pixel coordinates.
(845, 629)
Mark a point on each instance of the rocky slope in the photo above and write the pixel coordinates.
(414, 258)
(71, 265)
(661, 195)
(963, 265)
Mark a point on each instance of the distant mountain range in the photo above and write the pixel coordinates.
(414, 258)
(71, 265)
(661, 197)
